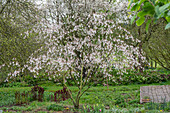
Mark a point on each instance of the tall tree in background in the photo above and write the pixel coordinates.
(154, 42)
(153, 22)
(19, 29)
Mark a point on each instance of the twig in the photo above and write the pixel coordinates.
(151, 3)
(5, 6)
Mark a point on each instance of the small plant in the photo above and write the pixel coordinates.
(60, 95)
(22, 98)
(94, 109)
(55, 107)
(158, 106)
(37, 93)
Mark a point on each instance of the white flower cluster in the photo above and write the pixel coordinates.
(95, 43)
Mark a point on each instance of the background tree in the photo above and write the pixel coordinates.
(18, 34)
(154, 38)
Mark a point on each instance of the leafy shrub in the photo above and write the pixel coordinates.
(60, 95)
(22, 98)
(46, 96)
(132, 77)
(37, 93)
(14, 84)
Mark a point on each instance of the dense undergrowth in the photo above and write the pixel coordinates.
(131, 77)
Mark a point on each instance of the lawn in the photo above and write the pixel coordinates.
(115, 99)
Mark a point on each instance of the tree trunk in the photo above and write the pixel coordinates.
(140, 60)
(107, 83)
(76, 104)
(151, 64)
(155, 64)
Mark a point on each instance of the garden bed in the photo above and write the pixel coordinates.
(120, 98)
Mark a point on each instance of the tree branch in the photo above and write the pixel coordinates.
(151, 3)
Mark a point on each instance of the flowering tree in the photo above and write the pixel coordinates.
(80, 46)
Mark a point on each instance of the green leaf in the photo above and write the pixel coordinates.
(135, 1)
(140, 21)
(167, 18)
(141, 2)
(163, 8)
(136, 7)
(147, 6)
(168, 13)
(167, 26)
(142, 13)
(157, 10)
(147, 24)
(130, 3)
(133, 18)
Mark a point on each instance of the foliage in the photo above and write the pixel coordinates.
(153, 41)
(19, 21)
(47, 98)
(113, 98)
(60, 95)
(55, 107)
(165, 106)
(157, 47)
(130, 77)
(155, 9)
(8, 100)
(14, 84)
(37, 93)
(93, 109)
(22, 98)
